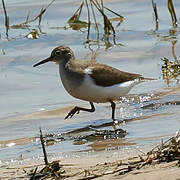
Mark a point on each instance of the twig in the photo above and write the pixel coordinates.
(6, 18)
(80, 8)
(102, 5)
(113, 12)
(89, 23)
(77, 14)
(150, 152)
(27, 18)
(155, 14)
(49, 4)
(40, 16)
(173, 13)
(43, 147)
(107, 24)
(34, 174)
(95, 20)
(95, 1)
(173, 51)
(43, 10)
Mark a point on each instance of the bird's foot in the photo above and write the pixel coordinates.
(115, 121)
(114, 125)
(72, 112)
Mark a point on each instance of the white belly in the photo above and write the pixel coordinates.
(89, 91)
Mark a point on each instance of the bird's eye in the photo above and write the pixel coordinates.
(58, 53)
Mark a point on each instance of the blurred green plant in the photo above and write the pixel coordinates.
(93, 7)
(33, 34)
(26, 23)
(170, 70)
(6, 18)
(172, 12)
(155, 14)
(74, 21)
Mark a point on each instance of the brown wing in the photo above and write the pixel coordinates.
(104, 75)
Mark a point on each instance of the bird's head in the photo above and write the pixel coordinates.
(61, 54)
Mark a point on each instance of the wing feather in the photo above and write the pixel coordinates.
(103, 75)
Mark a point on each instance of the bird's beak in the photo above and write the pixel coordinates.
(43, 61)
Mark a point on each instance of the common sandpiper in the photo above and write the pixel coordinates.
(91, 81)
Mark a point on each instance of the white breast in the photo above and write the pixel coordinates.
(89, 91)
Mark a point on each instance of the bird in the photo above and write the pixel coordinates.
(91, 81)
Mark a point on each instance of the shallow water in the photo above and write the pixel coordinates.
(34, 97)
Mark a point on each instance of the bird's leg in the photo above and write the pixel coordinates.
(78, 109)
(113, 106)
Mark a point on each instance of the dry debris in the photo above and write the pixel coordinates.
(167, 151)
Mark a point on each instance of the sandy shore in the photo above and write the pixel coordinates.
(104, 167)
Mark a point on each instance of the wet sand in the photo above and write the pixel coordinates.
(104, 163)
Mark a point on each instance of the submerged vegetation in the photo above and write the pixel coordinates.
(33, 34)
(170, 69)
(93, 7)
(171, 11)
(91, 16)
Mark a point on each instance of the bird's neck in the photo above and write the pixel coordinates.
(62, 69)
(68, 76)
